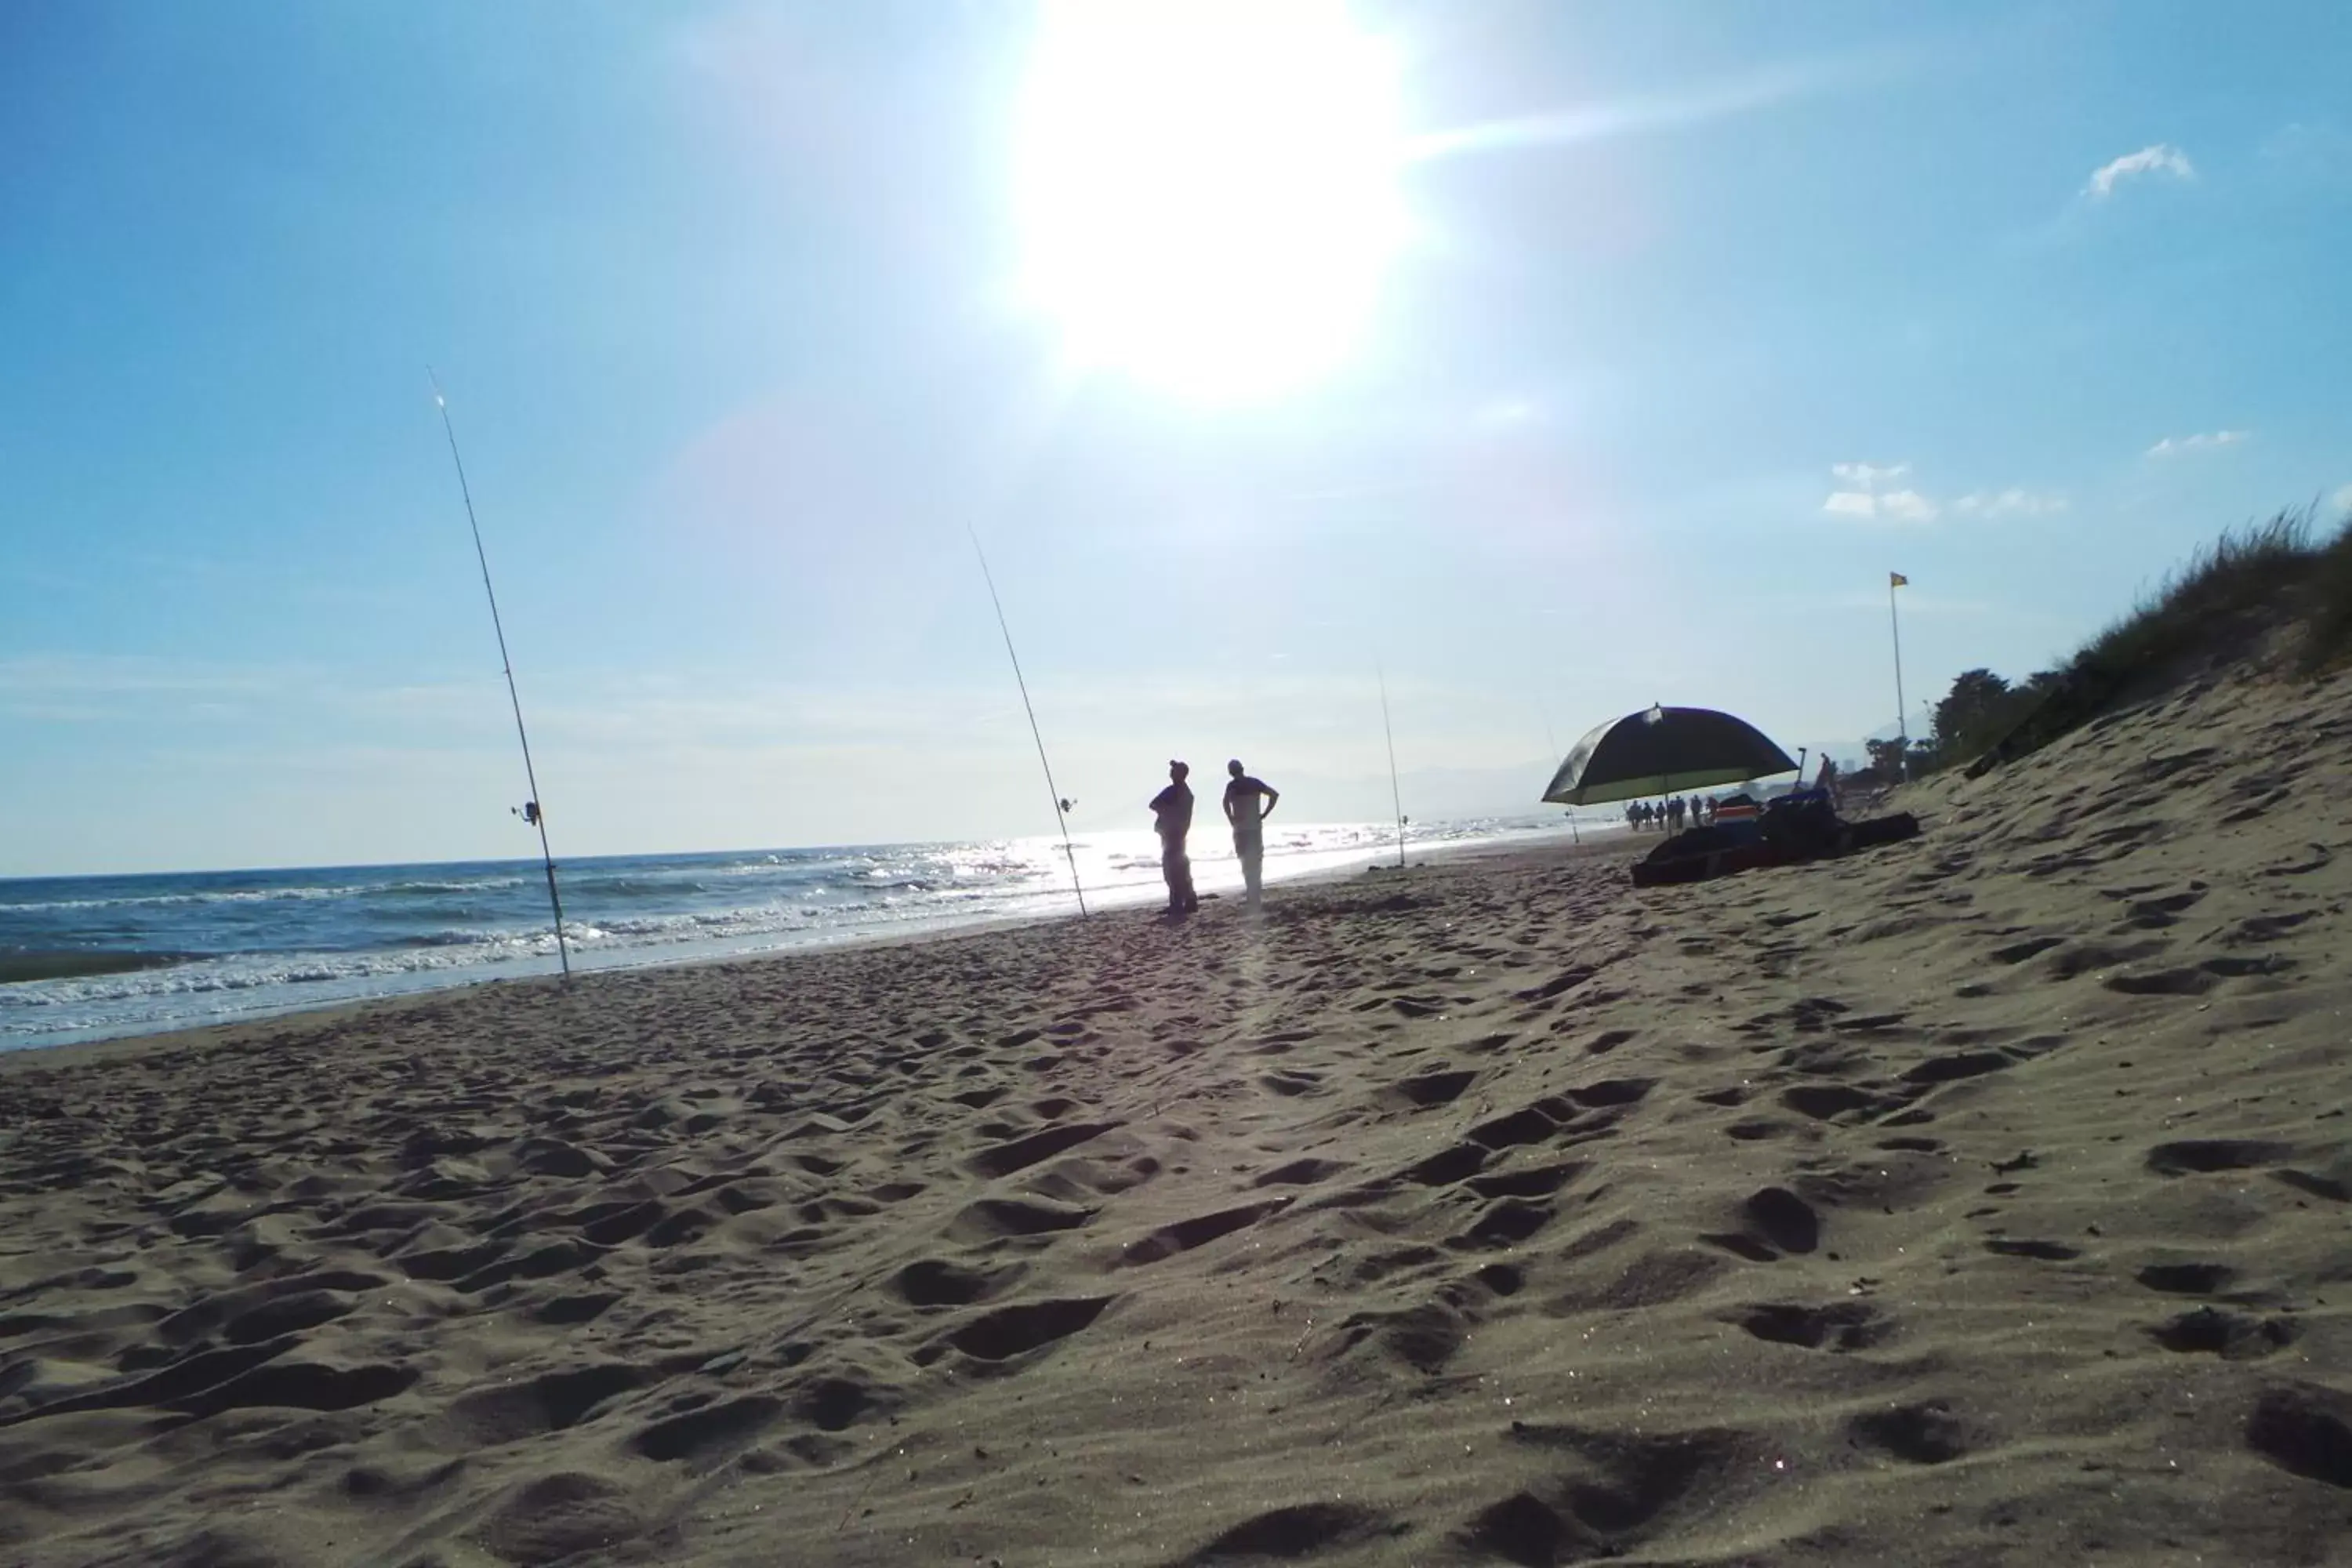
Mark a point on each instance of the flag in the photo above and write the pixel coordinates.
(1896, 580)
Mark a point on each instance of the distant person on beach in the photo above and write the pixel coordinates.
(1675, 813)
(1172, 813)
(1249, 802)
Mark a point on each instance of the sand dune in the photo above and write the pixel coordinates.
(1983, 1199)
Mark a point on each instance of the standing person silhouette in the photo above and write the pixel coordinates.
(1243, 796)
(1172, 812)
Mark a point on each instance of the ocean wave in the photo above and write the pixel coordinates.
(303, 893)
(406, 929)
(625, 887)
(208, 896)
(437, 889)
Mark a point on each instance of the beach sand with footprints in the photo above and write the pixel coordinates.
(1984, 1199)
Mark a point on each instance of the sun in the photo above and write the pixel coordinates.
(1207, 190)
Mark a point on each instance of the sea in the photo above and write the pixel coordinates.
(186, 950)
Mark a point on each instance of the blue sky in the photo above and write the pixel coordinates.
(1703, 320)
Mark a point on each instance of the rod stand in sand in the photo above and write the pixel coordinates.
(1061, 805)
(531, 812)
(1902, 720)
(1396, 797)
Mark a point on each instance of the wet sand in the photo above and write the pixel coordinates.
(1981, 1199)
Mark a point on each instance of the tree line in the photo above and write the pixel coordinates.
(1980, 708)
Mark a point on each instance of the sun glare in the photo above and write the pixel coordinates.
(1206, 188)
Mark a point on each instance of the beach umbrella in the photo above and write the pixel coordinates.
(1663, 751)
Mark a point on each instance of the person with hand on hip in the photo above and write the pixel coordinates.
(1248, 803)
(1172, 813)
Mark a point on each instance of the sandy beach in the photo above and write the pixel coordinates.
(1981, 1199)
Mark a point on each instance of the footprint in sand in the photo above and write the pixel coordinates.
(1304, 1173)
(1826, 1101)
(2232, 1336)
(1010, 1330)
(1504, 1223)
(2305, 1429)
(994, 1219)
(1422, 1338)
(2195, 1156)
(1022, 1152)
(1774, 1221)
(2187, 1279)
(557, 1516)
(544, 1402)
(1842, 1326)
(1528, 1181)
(1615, 1490)
(2042, 1251)
(1185, 1235)
(1301, 1530)
(1922, 1434)
(938, 1282)
(710, 1431)
(1530, 1125)
(1431, 1089)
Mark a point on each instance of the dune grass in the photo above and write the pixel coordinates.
(2327, 625)
(2221, 606)
(2245, 584)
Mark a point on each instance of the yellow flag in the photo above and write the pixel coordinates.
(1896, 580)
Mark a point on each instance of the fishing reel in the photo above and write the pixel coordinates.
(1067, 807)
(528, 811)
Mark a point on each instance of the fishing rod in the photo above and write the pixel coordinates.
(530, 811)
(1396, 797)
(1061, 806)
(1551, 744)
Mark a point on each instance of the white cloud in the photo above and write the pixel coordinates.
(2343, 500)
(1866, 497)
(1908, 505)
(2173, 445)
(2160, 159)
(1864, 494)
(1895, 506)
(2009, 502)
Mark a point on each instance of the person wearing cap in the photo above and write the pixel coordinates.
(1249, 802)
(1172, 813)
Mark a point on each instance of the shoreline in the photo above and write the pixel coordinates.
(1529, 842)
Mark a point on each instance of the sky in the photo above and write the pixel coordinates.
(1530, 362)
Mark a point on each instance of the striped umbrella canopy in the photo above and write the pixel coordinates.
(1663, 750)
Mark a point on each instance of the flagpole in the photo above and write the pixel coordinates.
(1902, 714)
